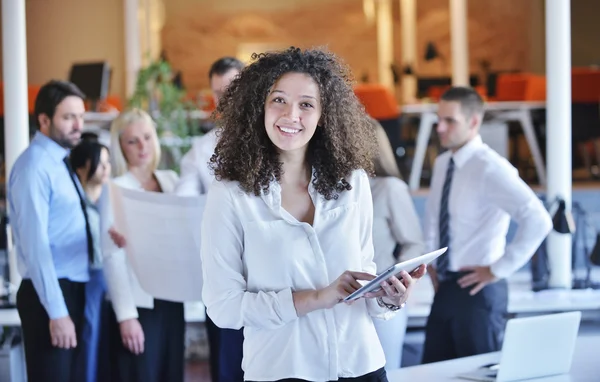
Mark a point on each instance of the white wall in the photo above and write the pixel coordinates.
(61, 32)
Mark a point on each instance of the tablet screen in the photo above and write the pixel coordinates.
(408, 266)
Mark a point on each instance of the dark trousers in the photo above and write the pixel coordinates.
(225, 352)
(44, 361)
(375, 376)
(461, 325)
(163, 356)
(212, 332)
(94, 361)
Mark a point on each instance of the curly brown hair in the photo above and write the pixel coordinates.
(343, 141)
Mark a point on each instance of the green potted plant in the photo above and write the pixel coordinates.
(156, 93)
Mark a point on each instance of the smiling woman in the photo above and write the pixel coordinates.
(292, 112)
(287, 229)
(323, 96)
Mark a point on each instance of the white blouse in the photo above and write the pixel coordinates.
(255, 255)
(395, 222)
(124, 288)
(196, 175)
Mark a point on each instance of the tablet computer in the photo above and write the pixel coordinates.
(408, 266)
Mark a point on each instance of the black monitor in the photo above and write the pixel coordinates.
(92, 78)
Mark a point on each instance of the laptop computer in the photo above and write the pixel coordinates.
(533, 347)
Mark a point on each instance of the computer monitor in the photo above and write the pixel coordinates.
(92, 78)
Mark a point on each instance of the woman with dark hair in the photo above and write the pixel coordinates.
(90, 161)
(287, 229)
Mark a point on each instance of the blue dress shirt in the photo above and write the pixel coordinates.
(47, 222)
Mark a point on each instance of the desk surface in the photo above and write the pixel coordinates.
(194, 312)
(9, 317)
(522, 300)
(418, 108)
(98, 117)
(92, 116)
(585, 367)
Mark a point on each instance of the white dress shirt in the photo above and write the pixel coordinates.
(486, 193)
(395, 221)
(196, 176)
(255, 255)
(124, 288)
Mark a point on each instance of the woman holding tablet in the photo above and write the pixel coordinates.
(395, 223)
(287, 229)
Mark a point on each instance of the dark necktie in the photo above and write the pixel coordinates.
(88, 231)
(442, 262)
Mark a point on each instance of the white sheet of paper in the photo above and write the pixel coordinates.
(163, 241)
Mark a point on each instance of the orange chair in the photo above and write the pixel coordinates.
(585, 85)
(511, 87)
(520, 87)
(535, 89)
(380, 104)
(32, 92)
(115, 102)
(378, 101)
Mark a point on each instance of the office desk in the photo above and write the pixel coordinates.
(521, 299)
(585, 367)
(194, 312)
(103, 119)
(99, 117)
(496, 111)
(9, 317)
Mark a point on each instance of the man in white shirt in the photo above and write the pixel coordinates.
(474, 194)
(195, 173)
(225, 345)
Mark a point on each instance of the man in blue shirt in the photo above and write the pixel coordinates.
(51, 235)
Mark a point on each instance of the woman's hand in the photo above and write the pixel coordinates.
(326, 298)
(395, 291)
(117, 238)
(341, 288)
(132, 336)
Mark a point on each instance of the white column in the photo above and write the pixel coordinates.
(14, 60)
(408, 21)
(558, 136)
(460, 42)
(148, 30)
(157, 21)
(133, 52)
(16, 108)
(369, 11)
(385, 43)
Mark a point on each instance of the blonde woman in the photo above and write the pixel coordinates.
(149, 340)
(395, 223)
